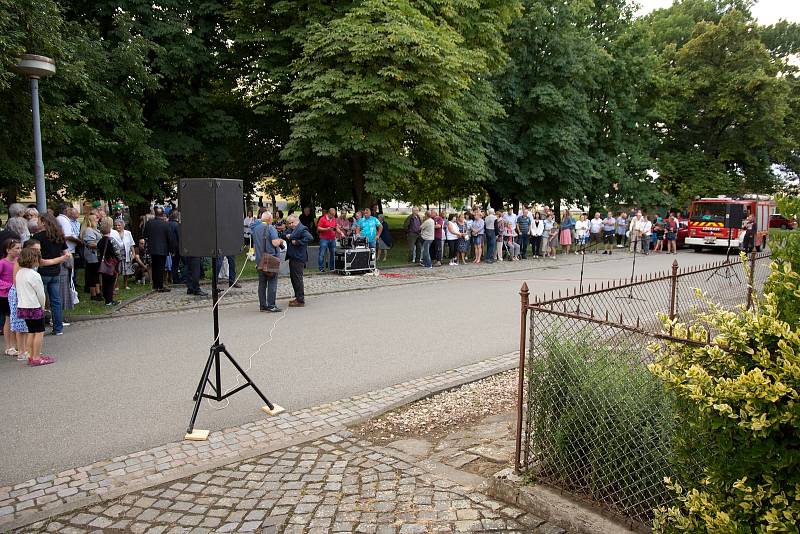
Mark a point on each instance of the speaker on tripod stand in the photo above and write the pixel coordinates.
(734, 217)
(211, 225)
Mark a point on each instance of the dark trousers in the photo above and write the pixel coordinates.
(522, 240)
(159, 264)
(268, 289)
(414, 247)
(296, 276)
(231, 268)
(491, 243)
(436, 250)
(108, 286)
(178, 270)
(536, 245)
(194, 267)
(452, 247)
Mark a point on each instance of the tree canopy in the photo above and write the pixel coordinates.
(349, 101)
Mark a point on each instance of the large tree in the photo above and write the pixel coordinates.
(574, 95)
(95, 140)
(725, 106)
(375, 93)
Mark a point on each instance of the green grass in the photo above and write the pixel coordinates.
(91, 307)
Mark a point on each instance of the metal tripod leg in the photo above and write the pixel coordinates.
(213, 355)
(204, 376)
(247, 378)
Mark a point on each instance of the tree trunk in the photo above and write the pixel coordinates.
(306, 200)
(495, 200)
(361, 198)
(557, 209)
(137, 211)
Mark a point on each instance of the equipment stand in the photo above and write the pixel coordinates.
(728, 274)
(630, 296)
(218, 348)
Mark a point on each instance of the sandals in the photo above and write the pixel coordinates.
(42, 360)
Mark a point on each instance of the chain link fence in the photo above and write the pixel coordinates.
(594, 421)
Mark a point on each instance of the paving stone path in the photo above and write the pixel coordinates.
(72, 488)
(333, 484)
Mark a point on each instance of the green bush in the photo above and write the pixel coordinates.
(785, 246)
(602, 424)
(738, 402)
(784, 279)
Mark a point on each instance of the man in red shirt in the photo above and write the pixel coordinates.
(326, 228)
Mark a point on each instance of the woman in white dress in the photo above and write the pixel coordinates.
(124, 239)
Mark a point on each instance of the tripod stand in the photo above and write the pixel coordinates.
(630, 296)
(216, 350)
(729, 273)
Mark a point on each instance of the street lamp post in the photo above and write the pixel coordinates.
(35, 67)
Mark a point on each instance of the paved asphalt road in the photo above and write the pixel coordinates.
(123, 385)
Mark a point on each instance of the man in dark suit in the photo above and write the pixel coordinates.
(160, 243)
(178, 270)
(297, 239)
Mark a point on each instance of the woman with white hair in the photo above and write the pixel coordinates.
(20, 226)
(124, 241)
(31, 215)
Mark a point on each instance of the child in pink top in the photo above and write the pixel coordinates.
(10, 252)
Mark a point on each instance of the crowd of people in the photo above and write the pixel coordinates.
(496, 235)
(49, 249)
(41, 255)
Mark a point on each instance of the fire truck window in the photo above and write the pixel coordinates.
(708, 212)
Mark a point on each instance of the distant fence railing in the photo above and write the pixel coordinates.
(591, 418)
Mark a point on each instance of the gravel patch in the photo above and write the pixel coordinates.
(437, 416)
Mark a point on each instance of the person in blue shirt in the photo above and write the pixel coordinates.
(266, 241)
(369, 227)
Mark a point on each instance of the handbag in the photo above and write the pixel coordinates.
(107, 266)
(269, 264)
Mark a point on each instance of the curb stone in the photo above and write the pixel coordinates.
(551, 506)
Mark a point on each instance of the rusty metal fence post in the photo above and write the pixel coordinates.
(673, 297)
(524, 297)
(751, 279)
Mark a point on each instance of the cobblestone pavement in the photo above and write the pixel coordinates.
(483, 448)
(55, 493)
(334, 484)
(327, 283)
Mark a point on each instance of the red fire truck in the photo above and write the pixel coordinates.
(708, 221)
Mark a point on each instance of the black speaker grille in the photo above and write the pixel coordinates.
(211, 216)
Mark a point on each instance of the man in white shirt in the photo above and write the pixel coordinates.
(596, 233)
(491, 237)
(646, 234)
(68, 220)
(635, 230)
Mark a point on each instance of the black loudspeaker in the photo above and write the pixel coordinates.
(734, 215)
(211, 216)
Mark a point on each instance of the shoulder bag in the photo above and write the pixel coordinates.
(268, 264)
(108, 266)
